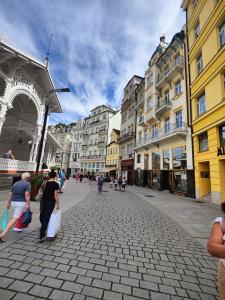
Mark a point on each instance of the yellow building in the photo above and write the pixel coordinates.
(112, 158)
(206, 55)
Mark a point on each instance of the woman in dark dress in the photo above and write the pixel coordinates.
(50, 199)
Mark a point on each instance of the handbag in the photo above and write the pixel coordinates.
(27, 217)
(41, 191)
(54, 224)
(19, 223)
(4, 219)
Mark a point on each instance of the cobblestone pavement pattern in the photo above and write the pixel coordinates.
(113, 246)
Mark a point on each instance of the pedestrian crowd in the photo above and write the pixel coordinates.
(19, 199)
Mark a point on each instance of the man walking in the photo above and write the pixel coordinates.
(100, 183)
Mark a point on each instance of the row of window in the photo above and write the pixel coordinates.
(93, 165)
(130, 129)
(203, 139)
(112, 162)
(167, 126)
(113, 150)
(199, 59)
(95, 130)
(95, 152)
(126, 149)
(179, 158)
(96, 141)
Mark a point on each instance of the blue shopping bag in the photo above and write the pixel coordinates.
(27, 218)
(4, 220)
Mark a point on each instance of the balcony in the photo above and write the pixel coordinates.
(84, 147)
(141, 121)
(176, 65)
(127, 156)
(92, 157)
(162, 107)
(102, 131)
(167, 132)
(16, 166)
(126, 137)
(101, 144)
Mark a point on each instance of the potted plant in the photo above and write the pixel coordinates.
(36, 182)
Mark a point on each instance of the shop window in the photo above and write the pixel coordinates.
(197, 30)
(156, 160)
(179, 119)
(179, 158)
(139, 158)
(180, 181)
(177, 87)
(201, 104)
(222, 34)
(203, 142)
(166, 159)
(200, 65)
(222, 135)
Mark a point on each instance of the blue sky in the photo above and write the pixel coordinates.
(97, 46)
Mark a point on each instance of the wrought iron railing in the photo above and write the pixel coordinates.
(17, 165)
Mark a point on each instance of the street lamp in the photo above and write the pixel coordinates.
(40, 148)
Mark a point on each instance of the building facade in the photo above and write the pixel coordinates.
(112, 158)
(127, 129)
(25, 84)
(63, 135)
(95, 136)
(163, 137)
(206, 57)
(76, 147)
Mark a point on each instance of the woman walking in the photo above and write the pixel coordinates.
(100, 183)
(19, 199)
(50, 199)
(216, 248)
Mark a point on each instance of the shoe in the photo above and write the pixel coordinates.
(41, 240)
(2, 240)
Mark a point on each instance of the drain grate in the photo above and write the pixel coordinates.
(150, 196)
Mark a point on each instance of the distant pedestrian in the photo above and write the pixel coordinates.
(120, 182)
(8, 155)
(116, 183)
(62, 178)
(49, 200)
(19, 199)
(111, 182)
(100, 183)
(123, 184)
(216, 248)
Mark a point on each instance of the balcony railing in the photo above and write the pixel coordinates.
(102, 144)
(178, 63)
(11, 165)
(165, 132)
(162, 107)
(92, 157)
(127, 136)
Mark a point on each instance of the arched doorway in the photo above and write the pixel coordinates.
(19, 128)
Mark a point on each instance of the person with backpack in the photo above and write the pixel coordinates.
(216, 248)
(100, 183)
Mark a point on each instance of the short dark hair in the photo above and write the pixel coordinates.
(52, 174)
(223, 206)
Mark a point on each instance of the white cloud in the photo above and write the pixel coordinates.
(97, 44)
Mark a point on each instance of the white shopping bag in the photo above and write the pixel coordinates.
(54, 224)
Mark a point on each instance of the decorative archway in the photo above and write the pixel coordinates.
(20, 127)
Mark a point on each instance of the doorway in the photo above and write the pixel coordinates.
(204, 180)
(222, 176)
(165, 180)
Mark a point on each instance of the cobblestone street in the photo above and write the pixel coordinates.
(111, 246)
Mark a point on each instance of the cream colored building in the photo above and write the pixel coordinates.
(127, 130)
(163, 151)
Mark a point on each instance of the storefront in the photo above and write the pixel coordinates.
(127, 170)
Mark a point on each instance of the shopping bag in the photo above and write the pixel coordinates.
(54, 224)
(19, 223)
(4, 220)
(27, 217)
